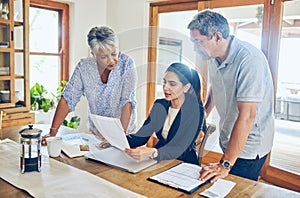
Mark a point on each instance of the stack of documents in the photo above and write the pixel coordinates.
(183, 177)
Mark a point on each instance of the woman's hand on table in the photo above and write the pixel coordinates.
(44, 143)
(140, 153)
(53, 131)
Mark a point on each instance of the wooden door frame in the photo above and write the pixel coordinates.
(271, 21)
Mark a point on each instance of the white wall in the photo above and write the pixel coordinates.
(84, 14)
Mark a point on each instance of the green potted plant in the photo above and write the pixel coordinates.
(59, 89)
(39, 101)
(73, 123)
(38, 98)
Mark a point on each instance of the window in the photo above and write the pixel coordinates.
(49, 50)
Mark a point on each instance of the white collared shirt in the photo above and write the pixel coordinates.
(172, 113)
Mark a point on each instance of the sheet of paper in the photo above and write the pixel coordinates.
(219, 189)
(183, 176)
(112, 131)
(80, 138)
(72, 150)
(72, 142)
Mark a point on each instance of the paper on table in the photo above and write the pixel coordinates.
(219, 189)
(112, 131)
(72, 150)
(183, 176)
(72, 142)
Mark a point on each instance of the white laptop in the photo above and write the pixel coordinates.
(115, 156)
(119, 159)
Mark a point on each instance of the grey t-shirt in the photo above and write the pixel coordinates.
(244, 77)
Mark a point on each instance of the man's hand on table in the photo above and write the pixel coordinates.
(213, 171)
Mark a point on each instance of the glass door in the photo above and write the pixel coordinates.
(285, 153)
(173, 43)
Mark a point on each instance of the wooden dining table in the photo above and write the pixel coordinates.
(138, 182)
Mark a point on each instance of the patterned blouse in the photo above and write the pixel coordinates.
(105, 99)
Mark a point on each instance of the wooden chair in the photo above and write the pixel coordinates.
(152, 141)
(1, 117)
(210, 128)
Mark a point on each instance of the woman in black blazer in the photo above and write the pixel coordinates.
(176, 120)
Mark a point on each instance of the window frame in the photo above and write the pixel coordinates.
(63, 41)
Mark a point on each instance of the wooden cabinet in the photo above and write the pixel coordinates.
(14, 62)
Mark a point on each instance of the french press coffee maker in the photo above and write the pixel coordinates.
(30, 155)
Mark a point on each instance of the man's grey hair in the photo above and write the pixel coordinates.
(102, 37)
(208, 23)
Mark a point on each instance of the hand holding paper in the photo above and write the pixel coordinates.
(112, 131)
(140, 153)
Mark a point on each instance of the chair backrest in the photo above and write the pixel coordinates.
(210, 128)
(1, 117)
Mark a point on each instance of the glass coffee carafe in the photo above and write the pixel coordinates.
(30, 155)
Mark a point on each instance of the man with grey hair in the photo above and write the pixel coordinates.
(241, 89)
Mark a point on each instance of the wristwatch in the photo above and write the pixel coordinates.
(226, 164)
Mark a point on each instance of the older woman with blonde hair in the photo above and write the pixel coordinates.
(107, 80)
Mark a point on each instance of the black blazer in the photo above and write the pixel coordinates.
(180, 142)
